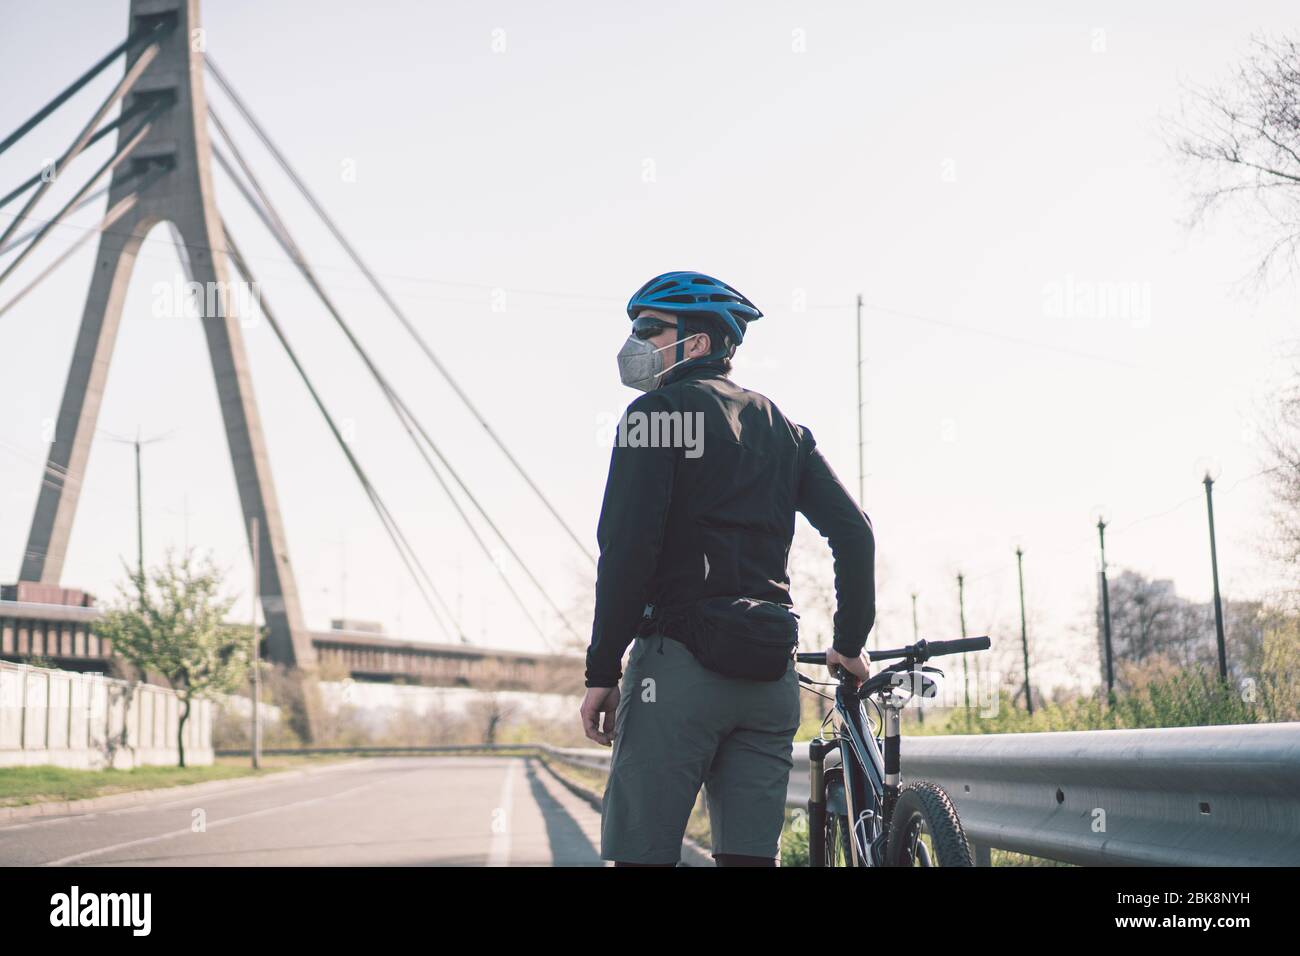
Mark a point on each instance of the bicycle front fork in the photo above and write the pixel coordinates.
(817, 751)
(893, 736)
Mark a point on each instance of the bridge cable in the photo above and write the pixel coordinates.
(151, 113)
(158, 30)
(17, 241)
(388, 299)
(122, 152)
(121, 208)
(124, 117)
(395, 534)
(275, 225)
(128, 80)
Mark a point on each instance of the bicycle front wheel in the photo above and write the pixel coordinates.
(835, 843)
(925, 830)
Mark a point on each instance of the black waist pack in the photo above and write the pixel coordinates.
(735, 637)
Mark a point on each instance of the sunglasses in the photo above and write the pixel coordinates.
(648, 328)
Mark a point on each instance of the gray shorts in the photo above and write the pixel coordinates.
(680, 725)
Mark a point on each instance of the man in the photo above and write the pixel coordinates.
(694, 533)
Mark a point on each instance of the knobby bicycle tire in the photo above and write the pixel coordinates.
(926, 804)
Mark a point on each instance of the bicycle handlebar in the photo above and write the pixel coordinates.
(920, 651)
(959, 646)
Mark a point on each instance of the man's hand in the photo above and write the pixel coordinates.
(857, 666)
(596, 702)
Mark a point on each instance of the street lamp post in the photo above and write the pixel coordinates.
(965, 671)
(1214, 568)
(916, 636)
(1024, 630)
(1105, 611)
(137, 442)
(256, 674)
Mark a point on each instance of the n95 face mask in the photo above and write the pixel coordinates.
(641, 365)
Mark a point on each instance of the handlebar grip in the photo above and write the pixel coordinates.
(959, 646)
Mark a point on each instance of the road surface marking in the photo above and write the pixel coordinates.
(211, 826)
(499, 854)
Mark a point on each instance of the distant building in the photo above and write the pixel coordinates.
(352, 624)
(33, 592)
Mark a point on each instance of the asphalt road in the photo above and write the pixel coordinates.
(389, 811)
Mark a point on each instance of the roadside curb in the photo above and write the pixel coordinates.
(115, 801)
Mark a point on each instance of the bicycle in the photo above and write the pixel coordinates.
(915, 825)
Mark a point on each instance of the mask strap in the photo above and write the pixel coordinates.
(680, 350)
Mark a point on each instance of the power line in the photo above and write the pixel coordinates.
(975, 330)
(1063, 552)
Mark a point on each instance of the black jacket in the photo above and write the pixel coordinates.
(704, 482)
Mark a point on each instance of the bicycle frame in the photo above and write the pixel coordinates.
(870, 766)
(870, 776)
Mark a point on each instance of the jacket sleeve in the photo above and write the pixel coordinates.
(630, 534)
(829, 508)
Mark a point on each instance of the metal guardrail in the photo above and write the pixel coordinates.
(1181, 796)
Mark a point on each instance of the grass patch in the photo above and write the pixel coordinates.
(1193, 697)
(21, 786)
(794, 837)
(794, 845)
(1008, 858)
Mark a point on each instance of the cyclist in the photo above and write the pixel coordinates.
(695, 529)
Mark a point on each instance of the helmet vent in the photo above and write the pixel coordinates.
(693, 295)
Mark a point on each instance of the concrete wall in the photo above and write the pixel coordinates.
(88, 721)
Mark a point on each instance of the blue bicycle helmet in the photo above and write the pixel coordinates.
(695, 294)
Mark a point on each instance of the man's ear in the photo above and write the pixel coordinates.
(702, 344)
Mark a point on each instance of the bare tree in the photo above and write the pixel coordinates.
(1241, 140)
(488, 714)
(1156, 632)
(1147, 616)
(1281, 440)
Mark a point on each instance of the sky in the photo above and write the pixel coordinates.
(1045, 340)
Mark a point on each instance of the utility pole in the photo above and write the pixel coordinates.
(137, 443)
(139, 512)
(255, 538)
(1105, 612)
(861, 477)
(916, 636)
(1024, 631)
(965, 670)
(1214, 567)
